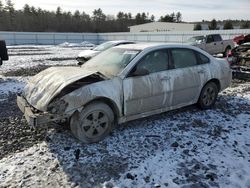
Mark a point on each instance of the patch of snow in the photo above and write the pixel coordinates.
(11, 85)
(82, 44)
(28, 56)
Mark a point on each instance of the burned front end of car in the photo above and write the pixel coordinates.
(43, 101)
(239, 60)
(35, 117)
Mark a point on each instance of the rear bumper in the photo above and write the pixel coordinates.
(241, 72)
(35, 119)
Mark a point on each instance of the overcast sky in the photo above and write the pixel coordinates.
(194, 10)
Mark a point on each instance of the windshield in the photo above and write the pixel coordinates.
(104, 46)
(111, 62)
(198, 39)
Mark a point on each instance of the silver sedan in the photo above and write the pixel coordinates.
(121, 84)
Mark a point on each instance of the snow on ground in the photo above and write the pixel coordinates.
(187, 148)
(24, 56)
(82, 44)
(183, 148)
(11, 85)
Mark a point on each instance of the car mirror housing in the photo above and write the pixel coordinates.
(139, 71)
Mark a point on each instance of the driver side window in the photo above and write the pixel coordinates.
(155, 61)
(210, 39)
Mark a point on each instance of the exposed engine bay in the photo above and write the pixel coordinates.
(239, 59)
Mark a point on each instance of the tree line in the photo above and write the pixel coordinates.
(226, 24)
(34, 19)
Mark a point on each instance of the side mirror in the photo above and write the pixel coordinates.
(139, 71)
(203, 42)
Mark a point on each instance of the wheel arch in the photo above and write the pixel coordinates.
(228, 47)
(216, 81)
(110, 103)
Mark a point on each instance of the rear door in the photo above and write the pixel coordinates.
(144, 93)
(188, 76)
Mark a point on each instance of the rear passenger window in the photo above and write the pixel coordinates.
(183, 58)
(202, 58)
(217, 38)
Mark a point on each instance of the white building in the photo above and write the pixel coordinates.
(161, 27)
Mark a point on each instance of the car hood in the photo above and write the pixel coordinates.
(43, 87)
(193, 43)
(88, 53)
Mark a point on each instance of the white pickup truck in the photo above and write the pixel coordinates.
(212, 44)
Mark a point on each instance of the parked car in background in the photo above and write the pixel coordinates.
(212, 44)
(124, 83)
(3, 52)
(88, 54)
(241, 39)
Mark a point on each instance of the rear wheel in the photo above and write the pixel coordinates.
(93, 123)
(208, 95)
(227, 50)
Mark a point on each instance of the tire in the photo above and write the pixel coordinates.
(93, 123)
(3, 51)
(227, 51)
(208, 95)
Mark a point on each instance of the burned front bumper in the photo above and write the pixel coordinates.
(34, 117)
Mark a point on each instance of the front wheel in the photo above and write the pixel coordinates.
(93, 123)
(208, 95)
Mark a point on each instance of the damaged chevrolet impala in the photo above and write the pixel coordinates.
(121, 84)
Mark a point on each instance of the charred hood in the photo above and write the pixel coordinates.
(56, 82)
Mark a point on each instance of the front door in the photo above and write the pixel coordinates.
(147, 92)
(211, 46)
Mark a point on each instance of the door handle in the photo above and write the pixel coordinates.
(164, 78)
(201, 71)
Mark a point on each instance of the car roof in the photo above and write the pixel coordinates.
(119, 41)
(143, 46)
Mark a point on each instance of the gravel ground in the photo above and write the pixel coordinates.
(184, 140)
(186, 148)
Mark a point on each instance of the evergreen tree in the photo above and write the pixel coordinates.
(178, 17)
(171, 17)
(1, 6)
(228, 25)
(9, 16)
(98, 20)
(245, 25)
(197, 27)
(213, 25)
